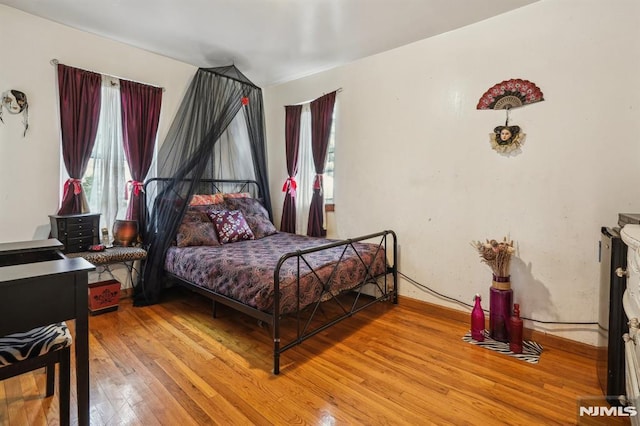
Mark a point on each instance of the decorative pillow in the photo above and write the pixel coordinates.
(236, 195)
(230, 225)
(195, 214)
(205, 199)
(196, 230)
(260, 226)
(204, 209)
(255, 214)
(246, 205)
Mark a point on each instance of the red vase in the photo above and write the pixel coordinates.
(515, 340)
(477, 320)
(500, 298)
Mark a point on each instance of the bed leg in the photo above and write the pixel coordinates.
(215, 306)
(276, 356)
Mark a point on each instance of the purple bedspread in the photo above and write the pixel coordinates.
(244, 270)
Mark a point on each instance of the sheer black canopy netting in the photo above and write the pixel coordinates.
(215, 98)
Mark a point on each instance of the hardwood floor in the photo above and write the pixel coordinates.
(173, 364)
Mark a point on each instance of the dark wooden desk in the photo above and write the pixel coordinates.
(40, 286)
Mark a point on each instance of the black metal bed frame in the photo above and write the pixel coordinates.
(387, 289)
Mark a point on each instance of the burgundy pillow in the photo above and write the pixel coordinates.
(230, 225)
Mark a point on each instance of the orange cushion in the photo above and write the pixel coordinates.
(206, 199)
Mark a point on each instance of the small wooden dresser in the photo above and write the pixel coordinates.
(77, 232)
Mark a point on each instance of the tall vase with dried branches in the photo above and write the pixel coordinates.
(497, 254)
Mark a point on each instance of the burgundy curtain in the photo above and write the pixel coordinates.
(292, 145)
(140, 116)
(80, 93)
(321, 120)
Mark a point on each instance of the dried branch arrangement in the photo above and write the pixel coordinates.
(496, 254)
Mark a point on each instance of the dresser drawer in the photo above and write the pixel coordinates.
(85, 220)
(74, 245)
(81, 230)
(80, 239)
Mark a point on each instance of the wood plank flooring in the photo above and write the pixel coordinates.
(173, 364)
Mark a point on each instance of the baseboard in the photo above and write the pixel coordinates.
(545, 339)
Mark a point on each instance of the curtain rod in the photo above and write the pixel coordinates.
(338, 90)
(55, 62)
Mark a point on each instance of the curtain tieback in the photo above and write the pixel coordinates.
(77, 186)
(317, 182)
(290, 186)
(136, 187)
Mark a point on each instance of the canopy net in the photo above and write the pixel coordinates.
(217, 133)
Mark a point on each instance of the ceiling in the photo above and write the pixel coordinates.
(270, 41)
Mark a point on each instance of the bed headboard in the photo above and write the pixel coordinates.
(208, 186)
(155, 186)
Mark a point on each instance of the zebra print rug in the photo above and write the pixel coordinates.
(530, 350)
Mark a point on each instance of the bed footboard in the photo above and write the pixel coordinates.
(312, 318)
(385, 285)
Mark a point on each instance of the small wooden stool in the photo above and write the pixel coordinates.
(41, 347)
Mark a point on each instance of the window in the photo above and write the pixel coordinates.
(107, 174)
(329, 165)
(307, 172)
(232, 152)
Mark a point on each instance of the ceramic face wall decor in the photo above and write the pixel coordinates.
(507, 139)
(15, 102)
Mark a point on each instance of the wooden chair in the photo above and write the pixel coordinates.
(41, 347)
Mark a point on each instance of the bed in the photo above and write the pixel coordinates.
(275, 276)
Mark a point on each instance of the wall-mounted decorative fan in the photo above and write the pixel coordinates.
(507, 95)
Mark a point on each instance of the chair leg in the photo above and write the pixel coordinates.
(64, 386)
(51, 377)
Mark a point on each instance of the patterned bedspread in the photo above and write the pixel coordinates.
(244, 270)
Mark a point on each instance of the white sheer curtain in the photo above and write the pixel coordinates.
(306, 172)
(233, 152)
(107, 170)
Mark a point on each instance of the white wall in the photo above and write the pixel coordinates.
(413, 153)
(30, 166)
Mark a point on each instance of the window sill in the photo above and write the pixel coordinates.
(329, 207)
